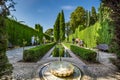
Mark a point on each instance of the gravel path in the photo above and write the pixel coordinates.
(21, 70)
(16, 54)
(28, 71)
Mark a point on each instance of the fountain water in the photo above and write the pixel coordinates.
(61, 68)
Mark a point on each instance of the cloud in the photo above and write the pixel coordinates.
(68, 7)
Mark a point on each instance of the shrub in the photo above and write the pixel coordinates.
(58, 51)
(61, 52)
(17, 31)
(55, 52)
(85, 54)
(34, 54)
(89, 35)
(94, 34)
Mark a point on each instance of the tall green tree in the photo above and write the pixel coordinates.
(100, 13)
(77, 18)
(87, 18)
(104, 13)
(62, 26)
(93, 15)
(49, 32)
(114, 5)
(5, 66)
(57, 28)
(39, 29)
(67, 30)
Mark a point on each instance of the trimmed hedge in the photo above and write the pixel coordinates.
(94, 34)
(89, 35)
(55, 52)
(61, 52)
(17, 32)
(85, 54)
(58, 51)
(34, 54)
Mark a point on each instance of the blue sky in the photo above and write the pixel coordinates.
(44, 12)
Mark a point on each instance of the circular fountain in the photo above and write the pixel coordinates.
(60, 70)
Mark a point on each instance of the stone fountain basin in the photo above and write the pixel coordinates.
(61, 68)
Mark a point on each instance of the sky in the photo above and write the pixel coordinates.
(44, 12)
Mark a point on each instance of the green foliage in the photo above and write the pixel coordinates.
(39, 29)
(17, 32)
(58, 51)
(104, 13)
(47, 37)
(49, 32)
(5, 66)
(100, 13)
(77, 18)
(114, 5)
(55, 52)
(105, 33)
(85, 54)
(41, 34)
(62, 26)
(57, 28)
(93, 16)
(34, 54)
(87, 18)
(67, 44)
(95, 34)
(88, 35)
(61, 52)
(67, 30)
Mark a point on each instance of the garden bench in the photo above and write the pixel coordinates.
(103, 47)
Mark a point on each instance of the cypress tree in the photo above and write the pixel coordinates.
(100, 13)
(57, 28)
(39, 29)
(67, 26)
(93, 15)
(41, 34)
(87, 18)
(62, 26)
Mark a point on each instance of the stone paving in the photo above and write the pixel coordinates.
(30, 71)
(21, 70)
(16, 54)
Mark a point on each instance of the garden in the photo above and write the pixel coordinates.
(84, 48)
